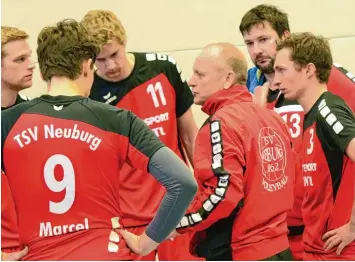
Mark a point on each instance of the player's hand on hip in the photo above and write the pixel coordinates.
(173, 234)
(261, 93)
(339, 237)
(14, 256)
(141, 245)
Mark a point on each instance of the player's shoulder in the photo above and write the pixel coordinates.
(112, 118)
(105, 111)
(161, 62)
(328, 99)
(10, 116)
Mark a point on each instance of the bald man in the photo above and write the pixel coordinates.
(243, 164)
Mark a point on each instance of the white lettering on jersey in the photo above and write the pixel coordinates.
(310, 167)
(159, 131)
(274, 159)
(27, 136)
(50, 132)
(47, 230)
(329, 117)
(157, 119)
(307, 181)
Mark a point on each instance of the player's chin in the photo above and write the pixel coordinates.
(198, 101)
(290, 96)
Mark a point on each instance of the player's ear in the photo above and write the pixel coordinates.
(311, 70)
(230, 79)
(285, 34)
(87, 67)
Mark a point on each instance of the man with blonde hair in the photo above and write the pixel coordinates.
(16, 75)
(152, 86)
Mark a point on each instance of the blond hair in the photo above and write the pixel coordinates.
(9, 34)
(104, 26)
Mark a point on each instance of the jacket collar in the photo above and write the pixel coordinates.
(235, 94)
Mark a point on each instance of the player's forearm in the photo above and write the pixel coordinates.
(181, 187)
(189, 146)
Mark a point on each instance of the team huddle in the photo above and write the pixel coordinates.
(99, 167)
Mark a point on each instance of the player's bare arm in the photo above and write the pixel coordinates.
(188, 131)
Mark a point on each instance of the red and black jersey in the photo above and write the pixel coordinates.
(245, 172)
(9, 228)
(158, 94)
(328, 173)
(65, 187)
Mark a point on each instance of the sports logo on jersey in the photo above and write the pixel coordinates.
(273, 154)
(108, 98)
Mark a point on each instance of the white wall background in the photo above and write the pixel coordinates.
(181, 28)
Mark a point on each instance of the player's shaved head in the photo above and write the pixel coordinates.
(228, 57)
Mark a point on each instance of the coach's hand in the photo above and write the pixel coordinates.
(340, 237)
(14, 256)
(261, 93)
(141, 245)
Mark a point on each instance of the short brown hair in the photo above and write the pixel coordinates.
(265, 13)
(9, 34)
(307, 48)
(63, 48)
(104, 26)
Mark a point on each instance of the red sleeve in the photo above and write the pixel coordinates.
(219, 168)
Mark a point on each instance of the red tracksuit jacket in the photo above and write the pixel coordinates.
(245, 171)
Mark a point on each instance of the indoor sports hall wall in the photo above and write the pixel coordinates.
(181, 28)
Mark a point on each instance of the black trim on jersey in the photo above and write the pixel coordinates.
(77, 108)
(334, 134)
(142, 72)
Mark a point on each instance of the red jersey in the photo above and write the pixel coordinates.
(245, 172)
(327, 172)
(65, 189)
(157, 93)
(341, 83)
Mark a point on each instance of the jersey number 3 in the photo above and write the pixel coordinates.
(67, 183)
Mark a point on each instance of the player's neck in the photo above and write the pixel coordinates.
(311, 95)
(61, 86)
(269, 77)
(8, 95)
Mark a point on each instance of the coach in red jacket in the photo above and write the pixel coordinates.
(243, 164)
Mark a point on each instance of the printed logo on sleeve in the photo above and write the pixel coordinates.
(273, 154)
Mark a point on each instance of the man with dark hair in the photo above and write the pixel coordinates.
(262, 28)
(240, 210)
(71, 150)
(302, 68)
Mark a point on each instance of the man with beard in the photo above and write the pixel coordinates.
(262, 28)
